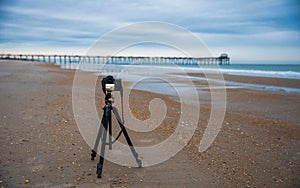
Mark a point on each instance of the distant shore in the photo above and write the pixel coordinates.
(258, 145)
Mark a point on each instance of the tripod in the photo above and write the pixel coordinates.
(106, 125)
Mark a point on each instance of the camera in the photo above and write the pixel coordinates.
(110, 84)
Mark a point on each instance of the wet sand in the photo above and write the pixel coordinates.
(258, 145)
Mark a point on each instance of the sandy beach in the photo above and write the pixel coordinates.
(41, 146)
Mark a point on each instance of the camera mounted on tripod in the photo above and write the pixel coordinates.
(109, 84)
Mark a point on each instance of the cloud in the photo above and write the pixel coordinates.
(272, 38)
(221, 24)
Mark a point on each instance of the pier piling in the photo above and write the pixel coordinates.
(223, 59)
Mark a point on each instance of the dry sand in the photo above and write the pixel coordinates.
(41, 146)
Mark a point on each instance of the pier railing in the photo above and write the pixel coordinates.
(223, 59)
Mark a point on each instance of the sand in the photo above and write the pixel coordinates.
(41, 146)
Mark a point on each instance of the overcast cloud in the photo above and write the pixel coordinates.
(263, 30)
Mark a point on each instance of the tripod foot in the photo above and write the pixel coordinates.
(99, 170)
(93, 155)
(139, 162)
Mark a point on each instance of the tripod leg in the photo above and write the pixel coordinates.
(135, 154)
(107, 113)
(110, 132)
(99, 135)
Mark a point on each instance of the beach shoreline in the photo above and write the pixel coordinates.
(258, 145)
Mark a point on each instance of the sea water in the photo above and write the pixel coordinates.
(156, 78)
(259, 70)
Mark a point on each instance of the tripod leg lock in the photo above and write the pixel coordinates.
(93, 155)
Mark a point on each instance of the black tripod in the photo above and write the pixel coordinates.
(106, 125)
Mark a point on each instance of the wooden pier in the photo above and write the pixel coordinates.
(223, 59)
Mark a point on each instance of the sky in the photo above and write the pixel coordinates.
(249, 31)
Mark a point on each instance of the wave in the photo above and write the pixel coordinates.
(260, 73)
(233, 84)
(256, 73)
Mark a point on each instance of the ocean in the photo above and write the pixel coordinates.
(291, 71)
(155, 78)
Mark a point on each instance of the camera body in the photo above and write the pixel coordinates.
(109, 87)
(109, 84)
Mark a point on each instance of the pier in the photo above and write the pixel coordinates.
(223, 59)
